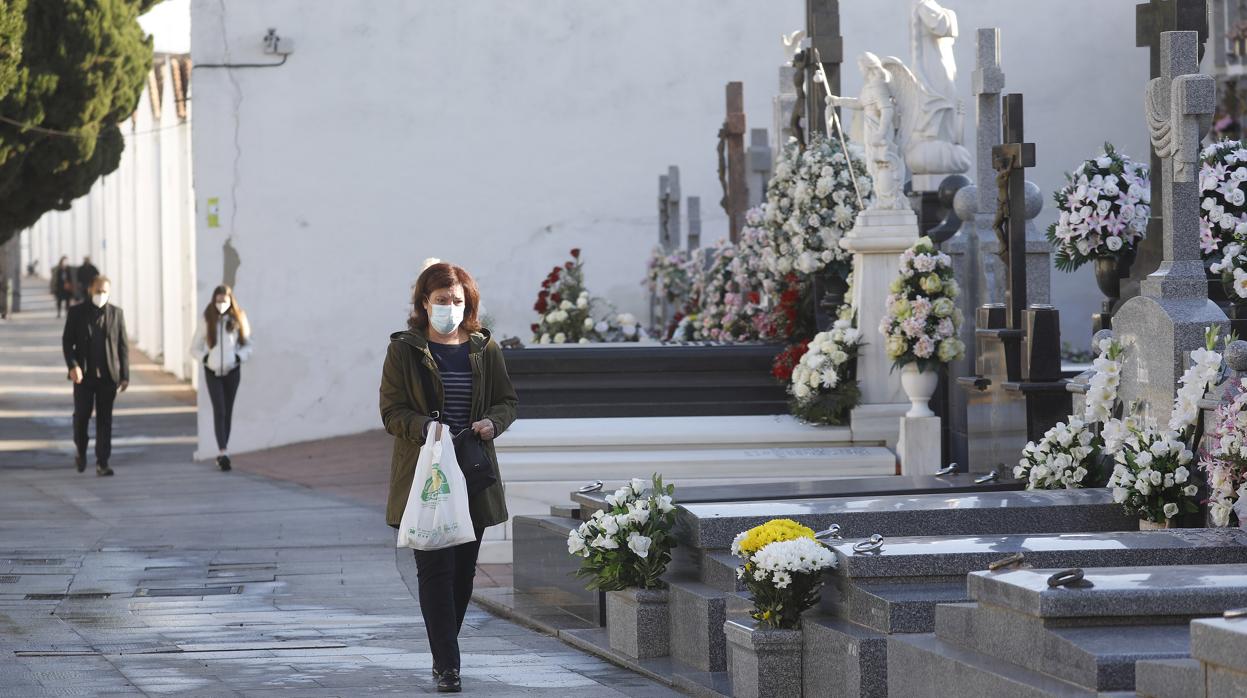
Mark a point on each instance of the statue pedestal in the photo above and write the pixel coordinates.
(877, 240)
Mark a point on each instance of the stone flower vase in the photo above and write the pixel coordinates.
(1145, 525)
(1109, 271)
(919, 386)
(763, 663)
(637, 622)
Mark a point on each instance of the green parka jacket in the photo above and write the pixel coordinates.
(406, 416)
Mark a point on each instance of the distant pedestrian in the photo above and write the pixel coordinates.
(7, 288)
(63, 284)
(445, 345)
(222, 344)
(97, 353)
(86, 278)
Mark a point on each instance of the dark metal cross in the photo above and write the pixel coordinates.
(1011, 159)
(822, 27)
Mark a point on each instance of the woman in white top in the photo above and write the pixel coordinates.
(222, 343)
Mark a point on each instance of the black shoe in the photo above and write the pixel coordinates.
(80, 462)
(448, 681)
(223, 462)
(103, 470)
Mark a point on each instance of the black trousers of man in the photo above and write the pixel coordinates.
(96, 394)
(222, 390)
(445, 579)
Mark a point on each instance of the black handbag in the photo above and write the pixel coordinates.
(474, 461)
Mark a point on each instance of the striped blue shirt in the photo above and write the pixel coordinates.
(456, 372)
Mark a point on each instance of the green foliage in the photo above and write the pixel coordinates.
(12, 28)
(82, 69)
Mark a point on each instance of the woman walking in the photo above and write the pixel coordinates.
(222, 343)
(63, 284)
(446, 352)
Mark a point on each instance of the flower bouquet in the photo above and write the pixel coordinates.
(922, 320)
(569, 315)
(1223, 204)
(724, 300)
(1103, 210)
(630, 544)
(1151, 478)
(822, 380)
(782, 569)
(1225, 461)
(811, 203)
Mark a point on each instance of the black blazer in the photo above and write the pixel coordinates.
(76, 342)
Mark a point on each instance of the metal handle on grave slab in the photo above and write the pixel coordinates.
(594, 486)
(831, 533)
(1065, 578)
(947, 470)
(1235, 613)
(868, 546)
(1014, 559)
(990, 477)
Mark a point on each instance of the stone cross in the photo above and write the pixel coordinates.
(1011, 158)
(1168, 319)
(822, 30)
(732, 175)
(1152, 18)
(760, 160)
(694, 223)
(988, 82)
(669, 209)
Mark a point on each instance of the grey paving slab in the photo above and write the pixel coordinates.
(322, 609)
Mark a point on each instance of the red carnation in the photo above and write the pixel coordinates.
(556, 297)
(576, 253)
(543, 294)
(540, 306)
(753, 297)
(535, 327)
(556, 272)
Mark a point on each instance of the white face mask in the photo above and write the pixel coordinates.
(446, 318)
(222, 307)
(99, 299)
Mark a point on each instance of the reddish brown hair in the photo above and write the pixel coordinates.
(435, 278)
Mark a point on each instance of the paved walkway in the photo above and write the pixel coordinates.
(174, 578)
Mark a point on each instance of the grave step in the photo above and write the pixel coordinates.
(843, 659)
(718, 570)
(1099, 657)
(1221, 642)
(923, 666)
(1169, 678)
(894, 607)
(545, 573)
(697, 616)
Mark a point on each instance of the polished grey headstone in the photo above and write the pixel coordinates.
(714, 525)
(1191, 590)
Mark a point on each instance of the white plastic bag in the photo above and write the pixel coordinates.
(437, 514)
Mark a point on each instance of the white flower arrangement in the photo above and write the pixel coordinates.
(1225, 461)
(1103, 211)
(1233, 269)
(630, 544)
(823, 385)
(1223, 198)
(1063, 458)
(567, 313)
(782, 569)
(1152, 477)
(922, 319)
(811, 203)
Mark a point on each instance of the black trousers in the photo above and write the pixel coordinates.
(222, 390)
(98, 395)
(445, 579)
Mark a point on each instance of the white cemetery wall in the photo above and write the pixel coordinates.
(1083, 79)
(136, 224)
(495, 135)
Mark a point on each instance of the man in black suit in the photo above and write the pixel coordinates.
(97, 354)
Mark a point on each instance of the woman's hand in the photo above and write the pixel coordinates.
(484, 429)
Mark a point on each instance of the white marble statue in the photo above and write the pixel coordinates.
(932, 32)
(876, 130)
(929, 125)
(792, 44)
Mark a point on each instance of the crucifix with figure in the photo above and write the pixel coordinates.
(1010, 159)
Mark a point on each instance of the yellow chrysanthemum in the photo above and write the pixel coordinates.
(772, 531)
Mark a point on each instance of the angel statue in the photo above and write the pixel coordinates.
(876, 130)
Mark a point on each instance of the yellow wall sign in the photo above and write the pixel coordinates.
(214, 212)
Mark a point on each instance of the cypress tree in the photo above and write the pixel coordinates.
(82, 68)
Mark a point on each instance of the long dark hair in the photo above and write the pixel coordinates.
(439, 276)
(236, 318)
